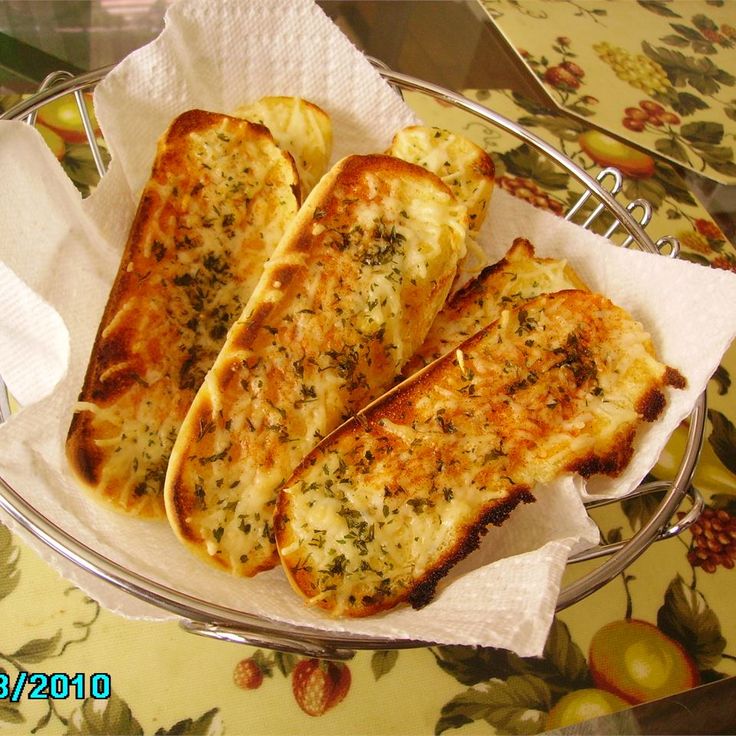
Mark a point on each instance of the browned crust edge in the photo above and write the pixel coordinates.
(392, 406)
(424, 591)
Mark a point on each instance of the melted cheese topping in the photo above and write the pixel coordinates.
(519, 275)
(464, 167)
(299, 127)
(219, 199)
(388, 503)
(346, 298)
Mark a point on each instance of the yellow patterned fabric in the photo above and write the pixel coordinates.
(658, 73)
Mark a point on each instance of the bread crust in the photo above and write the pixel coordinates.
(195, 250)
(344, 301)
(384, 507)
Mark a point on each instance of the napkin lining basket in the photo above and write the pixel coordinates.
(209, 619)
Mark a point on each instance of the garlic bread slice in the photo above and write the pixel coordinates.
(217, 203)
(465, 167)
(519, 275)
(299, 127)
(384, 507)
(344, 301)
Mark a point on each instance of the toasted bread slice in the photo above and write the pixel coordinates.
(218, 201)
(346, 298)
(299, 127)
(519, 275)
(465, 167)
(389, 502)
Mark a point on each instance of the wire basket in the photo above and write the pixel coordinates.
(626, 221)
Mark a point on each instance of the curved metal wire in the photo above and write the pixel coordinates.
(620, 213)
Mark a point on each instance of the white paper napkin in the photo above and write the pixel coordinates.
(60, 254)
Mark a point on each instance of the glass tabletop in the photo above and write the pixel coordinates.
(449, 43)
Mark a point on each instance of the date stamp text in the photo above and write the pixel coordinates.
(54, 686)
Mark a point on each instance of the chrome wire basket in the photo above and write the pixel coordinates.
(627, 221)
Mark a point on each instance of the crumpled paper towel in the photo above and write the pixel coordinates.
(59, 255)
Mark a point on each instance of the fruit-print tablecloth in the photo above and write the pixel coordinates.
(663, 626)
(660, 72)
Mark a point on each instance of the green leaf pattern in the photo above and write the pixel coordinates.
(686, 617)
(660, 7)
(104, 717)
(382, 662)
(9, 573)
(10, 714)
(517, 705)
(723, 438)
(208, 724)
(37, 650)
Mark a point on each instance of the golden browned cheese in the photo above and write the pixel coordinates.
(217, 203)
(346, 298)
(388, 503)
(520, 274)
